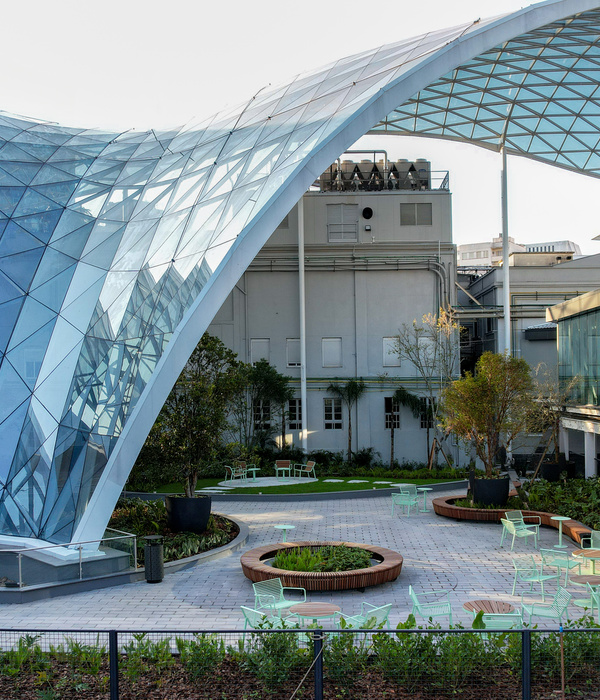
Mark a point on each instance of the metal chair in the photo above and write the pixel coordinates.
(531, 573)
(594, 592)
(560, 560)
(554, 610)
(406, 497)
(439, 608)
(510, 528)
(307, 469)
(503, 621)
(517, 517)
(371, 617)
(271, 594)
(591, 540)
(238, 471)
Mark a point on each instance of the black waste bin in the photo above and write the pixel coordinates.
(154, 559)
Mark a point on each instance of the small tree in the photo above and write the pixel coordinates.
(549, 400)
(349, 393)
(490, 406)
(192, 421)
(433, 349)
(266, 384)
(402, 397)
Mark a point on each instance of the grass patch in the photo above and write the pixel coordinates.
(311, 487)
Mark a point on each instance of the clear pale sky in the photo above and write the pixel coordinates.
(119, 64)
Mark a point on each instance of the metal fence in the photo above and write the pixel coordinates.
(423, 664)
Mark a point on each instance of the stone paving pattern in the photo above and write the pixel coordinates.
(439, 553)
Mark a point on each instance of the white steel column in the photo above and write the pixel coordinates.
(589, 442)
(505, 254)
(302, 296)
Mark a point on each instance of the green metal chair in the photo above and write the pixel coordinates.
(560, 560)
(371, 617)
(554, 610)
(503, 621)
(594, 592)
(238, 471)
(509, 528)
(307, 470)
(517, 517)
(439, 608)
(407, 497)
(271, 594)
(530, 573)
(591, 540)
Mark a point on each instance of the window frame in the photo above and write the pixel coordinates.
(332, 413)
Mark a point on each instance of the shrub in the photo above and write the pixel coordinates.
(330, 558)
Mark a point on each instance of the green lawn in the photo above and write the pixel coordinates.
(311, 487)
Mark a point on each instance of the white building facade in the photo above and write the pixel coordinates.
(374, 260)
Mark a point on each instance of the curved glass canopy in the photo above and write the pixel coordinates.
(117, 249)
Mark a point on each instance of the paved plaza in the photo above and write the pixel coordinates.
(464, 558)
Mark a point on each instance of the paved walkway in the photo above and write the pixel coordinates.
(464, 558)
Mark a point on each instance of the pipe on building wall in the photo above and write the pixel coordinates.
(505, 253)
(302, 309)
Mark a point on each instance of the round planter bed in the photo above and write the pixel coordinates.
(387, 569)
(445, 507)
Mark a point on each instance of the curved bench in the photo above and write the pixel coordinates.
(445, 507)
(388, 568)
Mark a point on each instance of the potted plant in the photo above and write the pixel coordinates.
(488, 410)
(190, 426)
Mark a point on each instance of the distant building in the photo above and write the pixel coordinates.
(489, 253)
(378, 254)
(579, 362)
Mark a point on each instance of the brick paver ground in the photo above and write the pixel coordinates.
(464, 558)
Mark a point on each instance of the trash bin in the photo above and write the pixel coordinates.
(154, 559)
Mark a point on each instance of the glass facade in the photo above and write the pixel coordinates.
(110, 243)
(579, 356)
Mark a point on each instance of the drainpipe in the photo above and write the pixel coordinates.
(505, 253)
(302, 300)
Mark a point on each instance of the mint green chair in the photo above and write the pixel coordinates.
(509, 528)
(307, 470)
(371, 617)
(553, 611)
(271, 594)
(503, 621)
(437, 608)
(560, 560)
(594, 592)
(591, 540)
(406, 498)
(530, 573)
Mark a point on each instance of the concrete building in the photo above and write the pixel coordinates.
(537, 280)
(579, 362)
(374, 260)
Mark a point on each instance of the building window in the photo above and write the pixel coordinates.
(342, 222)
(292, 350)
(390, 354)
(331, 350)
(332, 410)
(416, 214)
(295, 414)
(428, 406)
(259, 349)
(261, 414)
(392, 412)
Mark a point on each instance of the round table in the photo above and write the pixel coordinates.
(560, 519)
(582, 580)
(285, 528)
(253, 470)
(591, 554)
(424, 490)
(315, 611)
(489, 607)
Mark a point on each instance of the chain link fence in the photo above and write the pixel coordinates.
(421, 664)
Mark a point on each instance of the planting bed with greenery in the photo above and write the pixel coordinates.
(330, 558)
(142, 518)
(576, 498)
(403, 664)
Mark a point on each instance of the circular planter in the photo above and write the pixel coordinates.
(490, 492)
(387, 569)
(188, 514)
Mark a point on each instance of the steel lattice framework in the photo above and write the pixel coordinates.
(117, 249)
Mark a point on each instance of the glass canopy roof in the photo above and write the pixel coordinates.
(117, 249)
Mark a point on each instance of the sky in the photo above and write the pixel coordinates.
(120, 64)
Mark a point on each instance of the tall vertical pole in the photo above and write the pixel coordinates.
(505, 254)
(302, 295)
